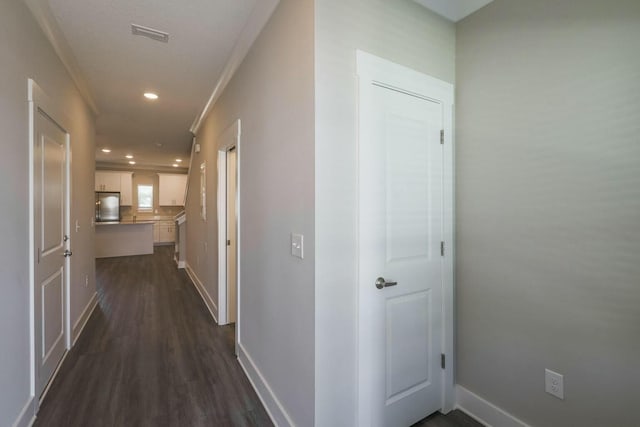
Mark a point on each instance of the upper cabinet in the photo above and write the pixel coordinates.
(107, 181)
(126, 188)
(116, 181)
(172, 188)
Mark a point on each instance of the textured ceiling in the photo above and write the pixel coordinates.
(453, 10)
(119, 67)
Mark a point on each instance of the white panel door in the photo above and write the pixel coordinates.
(232, 266)
(400, 263)
(50, 166)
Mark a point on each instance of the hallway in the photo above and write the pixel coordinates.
(151, 355)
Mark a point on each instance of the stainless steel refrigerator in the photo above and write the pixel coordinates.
(107, 206)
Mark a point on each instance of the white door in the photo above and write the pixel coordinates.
(231, 237)
(401, 227)
(228, 203)
(50, 153)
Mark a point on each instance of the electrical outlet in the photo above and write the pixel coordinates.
(297, 245)
(86, 281)
(554, 383)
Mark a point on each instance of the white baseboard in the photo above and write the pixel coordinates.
(28, 414)
(272, 405)
(213, 308)
(78, 327)
(483, 411)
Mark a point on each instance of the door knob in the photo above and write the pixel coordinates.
(67, 253)
(381, 283)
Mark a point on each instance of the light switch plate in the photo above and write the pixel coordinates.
(297, 245)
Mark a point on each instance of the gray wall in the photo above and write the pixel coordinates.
(405, 33)
(272, 93)
(548, 203)
(24, 52)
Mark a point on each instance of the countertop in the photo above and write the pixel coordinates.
(124, 222)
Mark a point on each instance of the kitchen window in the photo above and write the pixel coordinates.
(145, 198)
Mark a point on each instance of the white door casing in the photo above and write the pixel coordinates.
(49, 237)
(405, 213)
(228, 140)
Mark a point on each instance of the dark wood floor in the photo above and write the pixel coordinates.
(151, 355)
(452, 419)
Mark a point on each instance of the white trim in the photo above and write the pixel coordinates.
(259, 17)
(44, 17)
(27, 416)
(272, 405)
(229, 139)
(375, 70)
(483, 411)
(78, 327)
(182, 264)
(211, 306)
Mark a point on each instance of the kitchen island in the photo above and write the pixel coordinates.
(125, 238)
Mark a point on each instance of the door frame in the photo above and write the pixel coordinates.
(229, 139)
(375, 70)
(39, 101)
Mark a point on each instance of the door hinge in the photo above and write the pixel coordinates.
(228, 242)
(442, 136)
(442, 248)
(38, 255)
(442, 361)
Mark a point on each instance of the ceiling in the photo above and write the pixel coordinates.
(453, 10)
(119, 67)
(113, 68)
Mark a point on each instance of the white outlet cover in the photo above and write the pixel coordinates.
(297, 245)
(554, 383)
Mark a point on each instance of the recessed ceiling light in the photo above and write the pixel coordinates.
(129, 156)
(132, 162)
(106, 150)
(179, 160)
(150, 95)
(175, 165)
(158, 144)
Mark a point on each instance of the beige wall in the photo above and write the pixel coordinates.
(405, 33)
(272, 94)
(548, 202)
(24, 53)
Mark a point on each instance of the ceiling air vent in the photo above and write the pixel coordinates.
(139, 30)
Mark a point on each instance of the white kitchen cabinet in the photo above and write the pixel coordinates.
(167, 232)
(171, 189)
(107, 181)
(126, 188)
(164, 232)
(156, 232)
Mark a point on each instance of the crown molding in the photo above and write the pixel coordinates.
(44, 17)
(259, 17)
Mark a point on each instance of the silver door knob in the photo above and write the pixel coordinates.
(381, 283)
(67, 253)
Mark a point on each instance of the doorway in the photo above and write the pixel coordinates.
(228, 226)
(405, 229)
(50, 254)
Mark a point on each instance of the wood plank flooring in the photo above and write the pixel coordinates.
(452, 419)
(151, 355)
